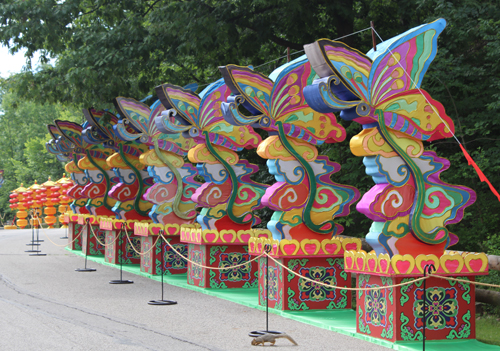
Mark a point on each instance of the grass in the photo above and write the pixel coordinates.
(488, 330)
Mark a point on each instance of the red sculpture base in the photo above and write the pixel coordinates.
(172, 263)
(320, 261)
(220, 256)
(397, 313)
(289, 292)
(74, 235)
(93, 248)
(119, 247)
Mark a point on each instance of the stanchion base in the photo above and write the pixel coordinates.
(38, 254)
(33, 251)
(33, 244)
(121, 282)
(38, 241)
(85, 270)
(63, 237)
(256, 333)
(162, 302)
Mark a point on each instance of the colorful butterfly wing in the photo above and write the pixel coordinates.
(255, 87)
(416, 114)
(350, 67)
(211, 98)
(212, 120)
(289, 106)
(400, 63)
(135, 113)
(156, 110)
(72, 132)
(184, 102)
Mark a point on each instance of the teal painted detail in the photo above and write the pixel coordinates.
(106, 178)
(292, 264)
(178, 178)
(139, 180)
(465, 332)
(362, 328)
(292, 305)
(234, 183)
(407, 332)
(312, 185)
(213, 283)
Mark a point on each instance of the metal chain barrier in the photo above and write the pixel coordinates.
(208, 267)
(44, 233)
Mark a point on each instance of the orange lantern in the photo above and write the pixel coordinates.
(49, 197)
(64, 185)
(35, 195)
(19, 203)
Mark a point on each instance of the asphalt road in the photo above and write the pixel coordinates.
(46, 305)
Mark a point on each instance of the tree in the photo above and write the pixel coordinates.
(23, 134)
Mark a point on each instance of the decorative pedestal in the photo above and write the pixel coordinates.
(94, 247)
(226, 248)
(320, 261)
(396, 314)
(151, 261)
(75, 231)
(119, 248)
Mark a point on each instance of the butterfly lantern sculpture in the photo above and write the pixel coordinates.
(99, 131)
(410, 205)
(304, 198)
(86, 170)
(228, 195)
(58, 145)
(173, 178)
(125, 174)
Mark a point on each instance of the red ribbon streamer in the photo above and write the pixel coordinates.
(480, 173)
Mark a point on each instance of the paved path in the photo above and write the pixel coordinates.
(46, 305)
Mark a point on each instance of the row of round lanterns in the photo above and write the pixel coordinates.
(37, 196)
(17, 201)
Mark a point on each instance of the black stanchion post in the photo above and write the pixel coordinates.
(256, 333)
(120, 258)
(37, 235)
(36, 219)
(428, 269)
(86, 251)
(32, 244)
(66, 235)
(162, 302)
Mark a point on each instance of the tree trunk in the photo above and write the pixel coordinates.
(491, 297)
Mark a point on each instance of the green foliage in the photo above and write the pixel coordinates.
(23, 134)
(106, 49)
(487, 330)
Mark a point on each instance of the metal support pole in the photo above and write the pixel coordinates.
(120, 258)
(255, 333)
(428, 269)
(162, 302)
(32, 244)
(86, 252)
